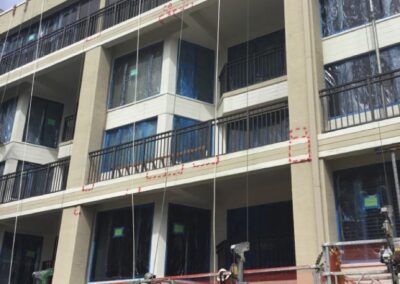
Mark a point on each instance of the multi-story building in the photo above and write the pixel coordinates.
(150, 135)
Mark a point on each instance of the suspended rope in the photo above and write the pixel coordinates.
(248, 116)
(379, 66)
(25, 145)
(164, 190)
(133, 140)
(216, 99)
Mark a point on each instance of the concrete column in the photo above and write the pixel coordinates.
(165, 122)
(10, 166)
(305, 78)
(73, 246)
(329, 206)
(21, 113)
(158, 251)
(91, 115)
(169, 66)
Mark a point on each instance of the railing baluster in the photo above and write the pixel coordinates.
(360, 101)
(80, 29)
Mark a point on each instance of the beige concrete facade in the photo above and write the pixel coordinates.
(74, 244)
(91, 116)
(300, 170)
(304, 79)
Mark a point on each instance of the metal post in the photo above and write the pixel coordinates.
(327, 266)
(396, 181)
(378, 55)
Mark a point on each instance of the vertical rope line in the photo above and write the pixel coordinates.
(25, 144)
(216, 99)
(377, 54)
(133, 141)
(248, 114)
(164, 192)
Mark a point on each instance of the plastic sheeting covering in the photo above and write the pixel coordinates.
(359, 194)
(125, 72)
(124, 156)
(341, 15)
(113, 251)
(196, 72)
(359, 68)
(7, 114)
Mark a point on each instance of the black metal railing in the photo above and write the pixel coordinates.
(371, 99)
(37, 181)
(69, 128)
(254, 69)
(100, 20)
(228, 134)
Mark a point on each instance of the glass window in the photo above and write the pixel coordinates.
(44, 122)
(264, 129)
(188, 240)
(124, 134)
(7, 114)
(255, 61)
(339, 15)
(196, 72)
(359, 68)
(113, 243)
(271, 239)
(122, 156)
(126, 72)
(192, 140)
(26, 259)
(360, 193)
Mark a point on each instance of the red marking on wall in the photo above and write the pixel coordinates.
(77, 211)
(216, 162)
(166, 174)
(296, 134)
(89, 188)
(169, 10)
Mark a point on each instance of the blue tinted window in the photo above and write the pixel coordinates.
(195, 72)
(124, 134)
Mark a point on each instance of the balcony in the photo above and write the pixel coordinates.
(37, 181)
(359, 102)
(256, 68)
(102, 19)
(246, 130)
(69, 128)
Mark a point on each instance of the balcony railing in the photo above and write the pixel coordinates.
(359, 102)
(83, 28)
(256, 68)
(238, 132)
(69, 128)
(37, 181)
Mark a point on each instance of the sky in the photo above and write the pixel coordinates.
(7, 4)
